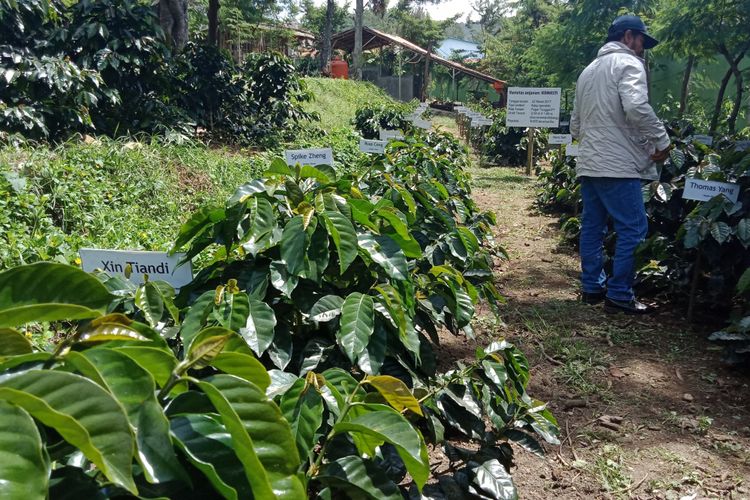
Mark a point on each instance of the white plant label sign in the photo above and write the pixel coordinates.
(533, 107)
(386, 134)
(560, 139)
(311, 157)
(700, 190)
(704, 139)
(372, 146)
(157, 265)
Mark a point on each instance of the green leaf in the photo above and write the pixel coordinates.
(316, 260)
(196, 224)
(134, 388)
(83, 413)
(261, 219)
(469, 240)
(259, 328)
(294, 245)
(112, 327)
(390, 427)
(246, 190)
(357, 323)
(391, 215)
(279, 166)
(386, 253)
(149, 299)
(202, 352)
(344, 237)
(343, 386)
(491, 480)
(525, 441)
(261, 437)
(281, 280)
(743, 231)
(326, 308)
(158, 362)
(244, 366)
(358, 478)
(395, 393)
(372, 358)
(196, 317)
(302, 407)
(310, 172)
(232, 312)
(13, 343)
(743, 285)
(24, 464)
(208, 445)
(720, 231)
(46, 291)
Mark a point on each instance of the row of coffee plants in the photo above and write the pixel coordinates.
(696, 252)
(104, 67)
(299, 362)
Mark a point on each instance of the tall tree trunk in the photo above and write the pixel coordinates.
(357, 55)
(213, 22)
(173, 20)
(325, 53)
(685, 89)
(738, 82)
(719, 101)
(426, 79)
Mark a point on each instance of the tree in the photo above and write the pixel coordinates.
(684, 26)
(357, 54)
(491, 13)
(316, 19)
(173, 19)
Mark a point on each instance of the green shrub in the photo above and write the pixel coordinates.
(370, 119)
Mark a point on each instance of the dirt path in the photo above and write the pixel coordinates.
(645, 407)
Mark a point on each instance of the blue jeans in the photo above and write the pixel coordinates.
(620, 199)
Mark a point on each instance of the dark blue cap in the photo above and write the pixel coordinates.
(630, 22)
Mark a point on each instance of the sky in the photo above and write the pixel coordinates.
(443, 10)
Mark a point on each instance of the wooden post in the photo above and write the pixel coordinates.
(530, 150)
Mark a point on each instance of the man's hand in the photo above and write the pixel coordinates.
(660, 156)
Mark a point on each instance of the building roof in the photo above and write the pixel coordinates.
(449, 46)
(374, 39)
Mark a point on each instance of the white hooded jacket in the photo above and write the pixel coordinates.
(615, 125)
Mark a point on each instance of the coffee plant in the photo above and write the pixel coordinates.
(298, 362)
(368, 120)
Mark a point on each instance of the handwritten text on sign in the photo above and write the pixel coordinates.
(372, 146)
(309, 157)
(533, 107)
(696, 189)
(158, 265)
(560, 139)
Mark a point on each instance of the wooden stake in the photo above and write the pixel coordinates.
(530, 150)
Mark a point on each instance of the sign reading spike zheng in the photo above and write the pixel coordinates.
(533, 107)
(157, 265)
(310, 157)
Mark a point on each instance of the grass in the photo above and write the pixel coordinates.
(108, 194)
(337, 100)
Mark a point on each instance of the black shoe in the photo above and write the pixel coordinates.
(592, 298)
(625, 306)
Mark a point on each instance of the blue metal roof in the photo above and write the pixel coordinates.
(449, 46)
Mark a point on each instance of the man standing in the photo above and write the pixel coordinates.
(620, 138)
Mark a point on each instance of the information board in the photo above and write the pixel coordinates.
(533, 107)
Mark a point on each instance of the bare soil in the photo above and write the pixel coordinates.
(645, 406)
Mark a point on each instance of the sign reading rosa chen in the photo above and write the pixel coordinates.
(533, 107)
(310, 157)
(157, 265)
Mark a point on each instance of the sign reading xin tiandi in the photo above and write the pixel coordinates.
(157, 265)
